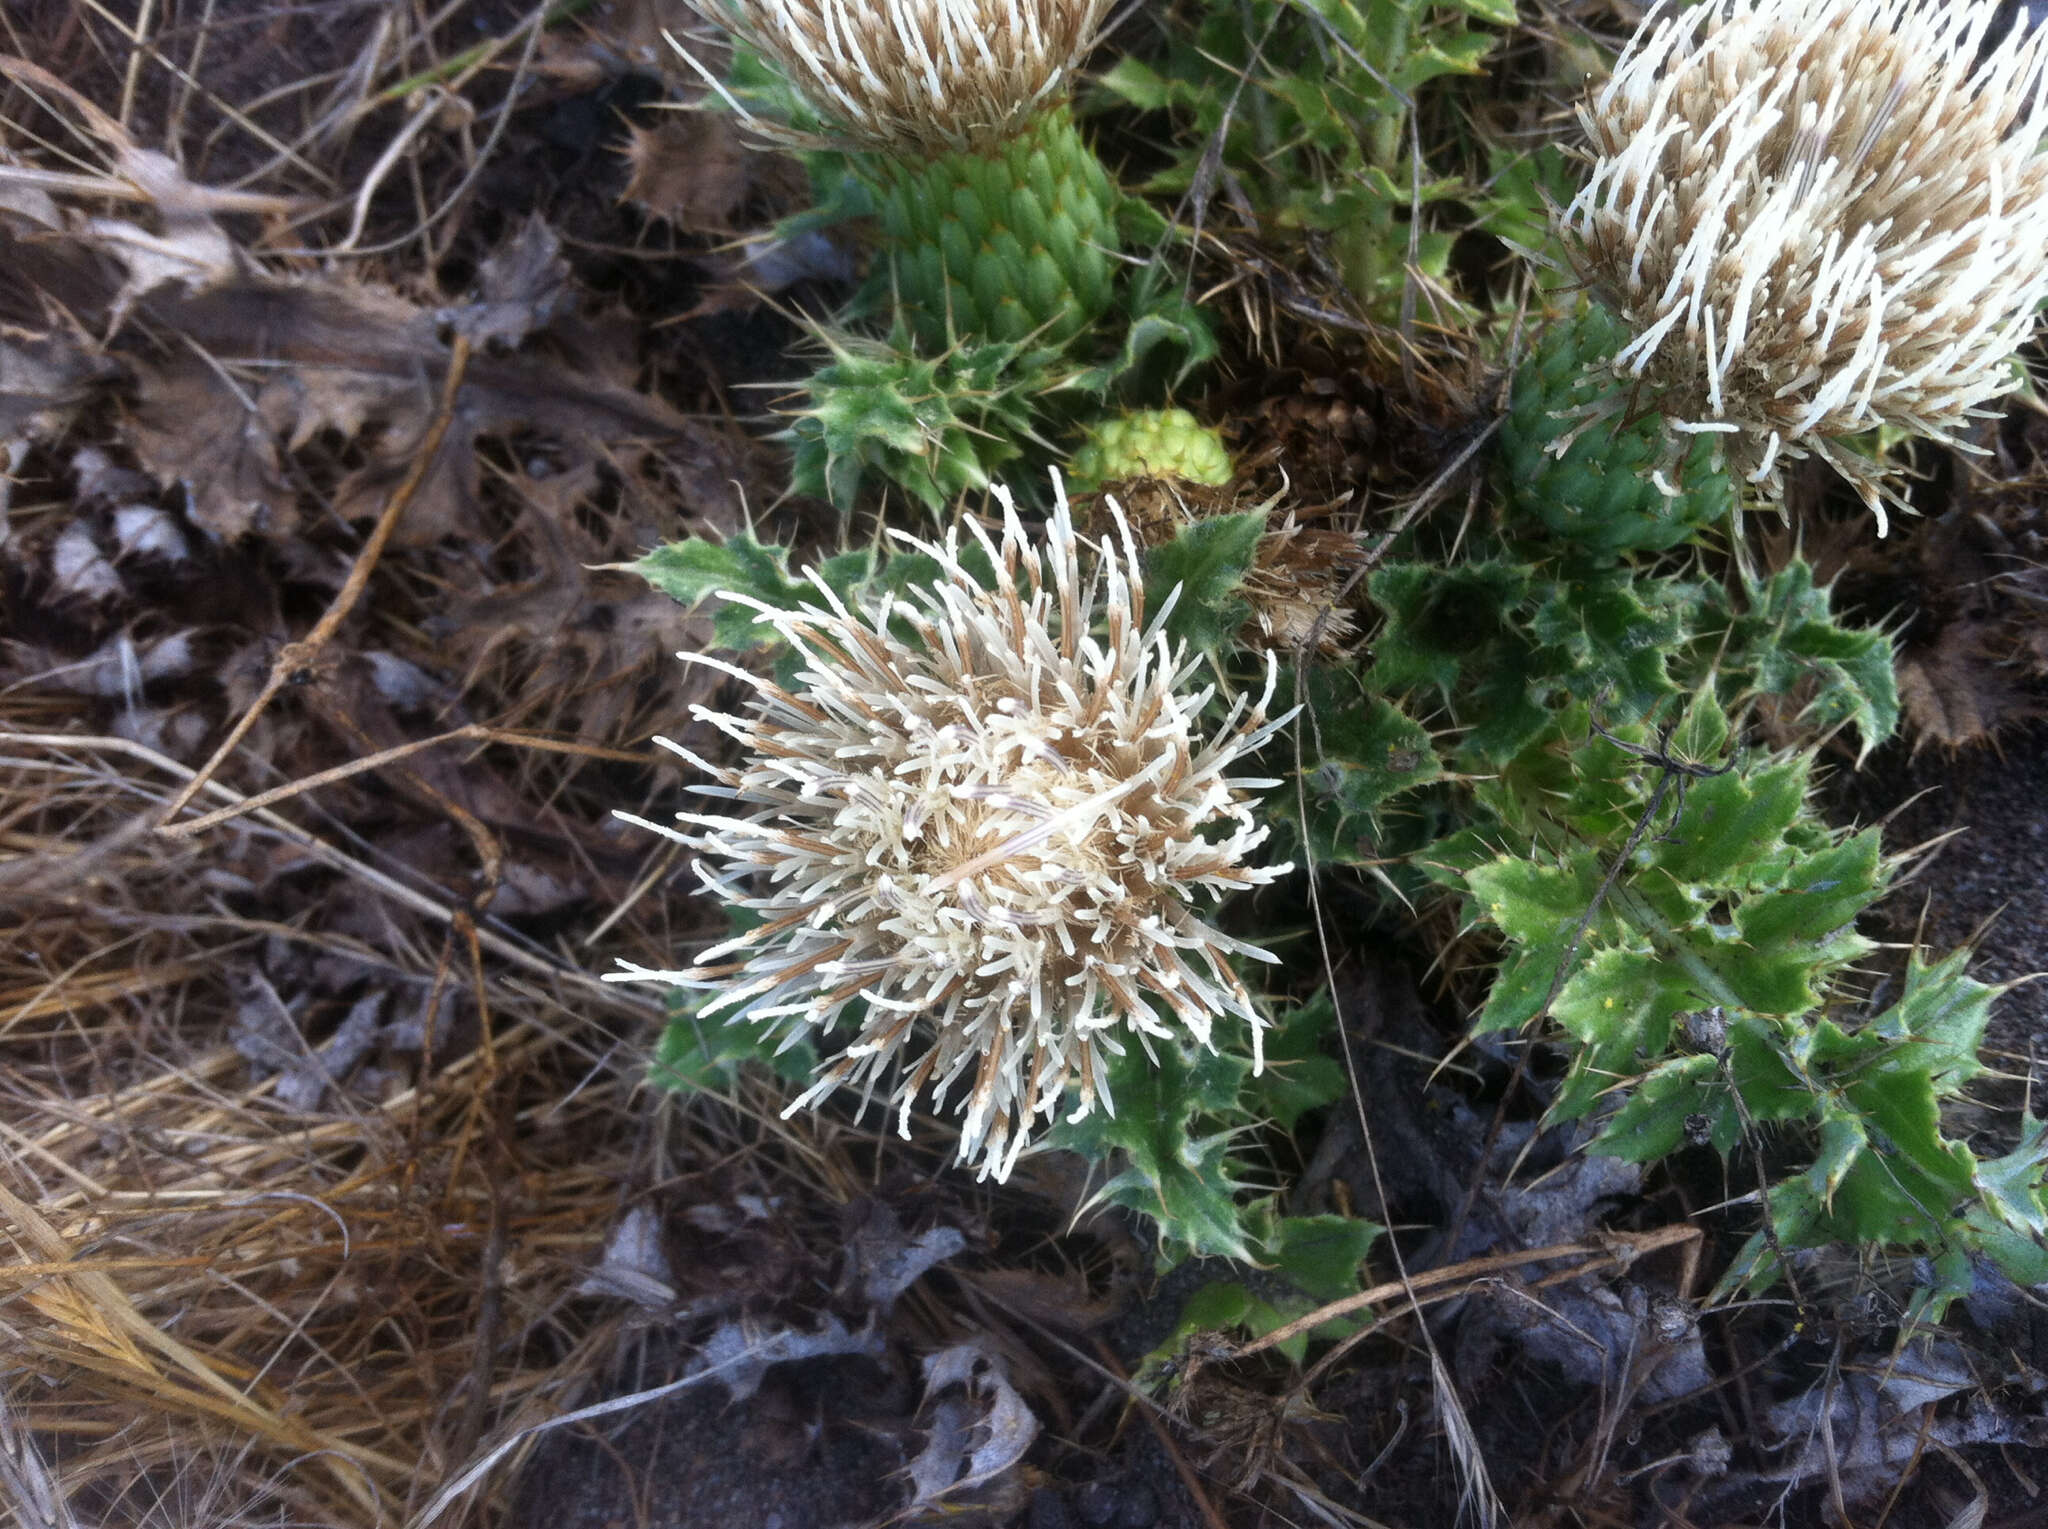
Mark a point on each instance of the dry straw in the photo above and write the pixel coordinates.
(1819, 216)
(983, 829)
(917, 78)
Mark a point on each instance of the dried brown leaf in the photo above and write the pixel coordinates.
(193, 427)
(1953, 691)
(692, 170)
(977, 1425)
(521, 288)
(43, 378)
(325, 355)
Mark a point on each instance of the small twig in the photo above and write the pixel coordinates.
(1451, 1279)
(473, 732)
(295, 661)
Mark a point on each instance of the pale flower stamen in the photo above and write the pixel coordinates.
(1819, 216)
(988, 842)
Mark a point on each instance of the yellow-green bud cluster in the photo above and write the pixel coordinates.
(1150, 443)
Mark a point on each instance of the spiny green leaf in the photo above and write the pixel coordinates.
(1538, 907)
(1652, 1124)
(690, 570)
(1781, 978)
(1825, 893)
(1610, 637)
(1207, 561)
(2022, 1257)
(1320, 1255)
(1360, 750)
(2011, 1185)
(1842, 1140)
(698, 1054)
(1299, 1075)
(1787, 641)
(1940, 1018)
(1772, 1085)
(1619, 1005)
(1729, 821)
(1180, 1178)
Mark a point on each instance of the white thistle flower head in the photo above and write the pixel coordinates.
(1819, 216)
(918, 78)
(986, 831)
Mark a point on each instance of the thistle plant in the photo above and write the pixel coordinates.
(1817, 217)
(974, 828)
(980, 833)
(997, 224)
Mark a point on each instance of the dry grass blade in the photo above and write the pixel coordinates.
(25, 1481)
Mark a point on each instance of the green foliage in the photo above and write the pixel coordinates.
(691, 570)
(705, 1055)
(1160, 443)
(1176, 1145)
(1669, 908)
(1786, 643)
(1615, 488)
(1359, 751)
(934, 428)
(1510, 645)
(1170, 1136)
(1314, 1260)
(1737, 899)
(1306, 105)
(1695, 962)
(1300, 1075)
(1206, 562)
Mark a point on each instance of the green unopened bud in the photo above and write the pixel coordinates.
(1620, 485)
(1013, 242)
(1151, 443)
(935, 429)
(998, 221)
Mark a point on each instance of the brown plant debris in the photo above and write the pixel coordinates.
(1298, 586)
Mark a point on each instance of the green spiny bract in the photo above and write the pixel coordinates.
(935, 428)
(1014, 243)
(1616, 487)
(1150, 443)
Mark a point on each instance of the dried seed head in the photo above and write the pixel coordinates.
(981, 830)
(1819, 216)
(917, 78)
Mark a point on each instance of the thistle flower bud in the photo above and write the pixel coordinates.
(979, 831)
(1818, 216)
(997, 221)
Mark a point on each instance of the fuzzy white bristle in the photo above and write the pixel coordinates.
(987, 827)
(1819, 216)
(920, 77)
